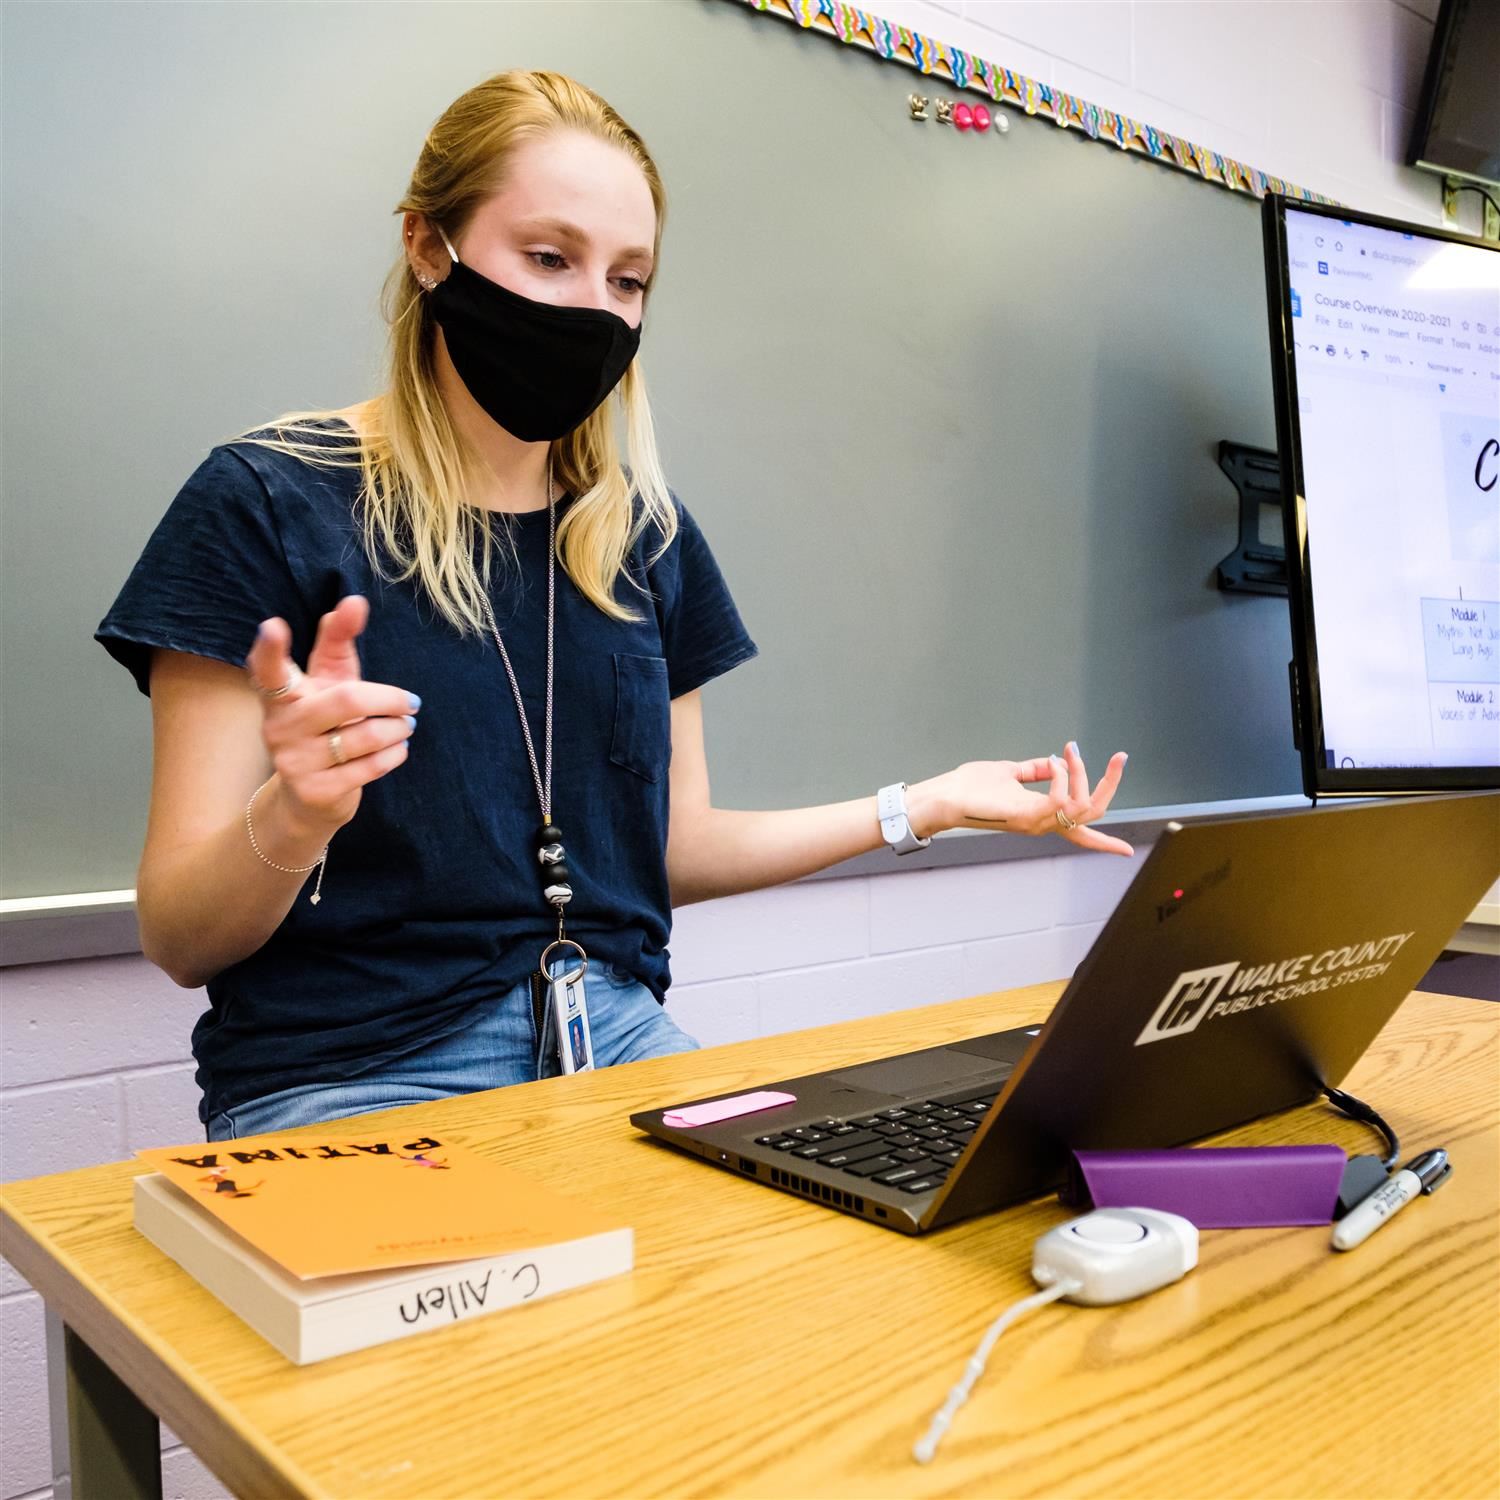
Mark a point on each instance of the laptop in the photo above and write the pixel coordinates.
(1249, 965)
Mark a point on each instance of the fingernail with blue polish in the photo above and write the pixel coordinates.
(416, 702)
(1073, 746)
(411, 723)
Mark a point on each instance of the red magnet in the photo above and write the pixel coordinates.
(981, 117)
(963, 116)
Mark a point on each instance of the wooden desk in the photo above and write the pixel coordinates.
(766, 1346)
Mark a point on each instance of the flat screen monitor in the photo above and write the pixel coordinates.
(1385, 344)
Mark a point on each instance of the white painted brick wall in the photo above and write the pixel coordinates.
(23, 1395)
(110, 1021)
(54, 1127)
(961, 904)
(160, 1106)
(183, 1477)
(11, 1280)
(93, 1055)
(798, 998)
(783, 928)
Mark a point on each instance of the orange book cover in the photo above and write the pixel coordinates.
(340, 1203)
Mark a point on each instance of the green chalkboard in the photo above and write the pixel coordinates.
(947, 408)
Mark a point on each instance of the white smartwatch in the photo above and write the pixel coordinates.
(895, 827)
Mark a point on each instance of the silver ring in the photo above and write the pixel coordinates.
(293, 674)
(336, 749)
(560, 943)
(1066, 823)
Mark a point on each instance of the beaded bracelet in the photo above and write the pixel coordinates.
(317, 864)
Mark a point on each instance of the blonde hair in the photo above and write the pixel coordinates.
(414, 462)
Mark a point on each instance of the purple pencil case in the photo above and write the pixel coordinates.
(1214, 1187)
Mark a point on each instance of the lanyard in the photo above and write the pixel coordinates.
(551, 857)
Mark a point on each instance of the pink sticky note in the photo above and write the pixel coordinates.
(727, 1109)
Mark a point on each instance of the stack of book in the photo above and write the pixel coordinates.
(326, 1244)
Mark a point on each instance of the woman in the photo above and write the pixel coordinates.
(502, 641)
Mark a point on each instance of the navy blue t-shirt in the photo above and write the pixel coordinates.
(432, 905)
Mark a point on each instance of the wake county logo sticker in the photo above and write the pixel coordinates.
(1200, 995)
(1187, 1002)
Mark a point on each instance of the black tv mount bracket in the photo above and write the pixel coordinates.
(1255, 566)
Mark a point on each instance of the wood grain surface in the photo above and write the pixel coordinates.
(765, 1346)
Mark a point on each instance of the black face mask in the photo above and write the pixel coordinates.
(536, 369)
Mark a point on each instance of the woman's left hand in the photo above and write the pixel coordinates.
(995, 794)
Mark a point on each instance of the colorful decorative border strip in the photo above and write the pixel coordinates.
(965, 71)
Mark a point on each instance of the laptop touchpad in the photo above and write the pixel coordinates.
(917, 1072)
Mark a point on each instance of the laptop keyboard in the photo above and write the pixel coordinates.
(912, 1147)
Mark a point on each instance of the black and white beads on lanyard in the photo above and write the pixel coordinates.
(568, 1011)
(553, 859)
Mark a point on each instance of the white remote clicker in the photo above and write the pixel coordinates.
(1110, 1255)
(1114, 1254)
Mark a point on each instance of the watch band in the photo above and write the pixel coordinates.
(895, 826)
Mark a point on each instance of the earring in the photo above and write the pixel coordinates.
(425, 281)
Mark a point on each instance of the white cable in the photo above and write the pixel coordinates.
(942, 1419)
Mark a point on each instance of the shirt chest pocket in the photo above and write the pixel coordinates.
(642, 740)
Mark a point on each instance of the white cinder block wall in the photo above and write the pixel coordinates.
(93, 1054)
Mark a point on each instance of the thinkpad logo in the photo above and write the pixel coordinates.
(1187, 1002)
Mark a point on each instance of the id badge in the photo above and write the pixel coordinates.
(569, 1009)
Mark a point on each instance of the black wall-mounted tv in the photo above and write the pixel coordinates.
(1457, 129)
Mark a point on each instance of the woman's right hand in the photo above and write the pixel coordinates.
(320, 775)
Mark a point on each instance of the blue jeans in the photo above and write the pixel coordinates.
(500, 1046)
